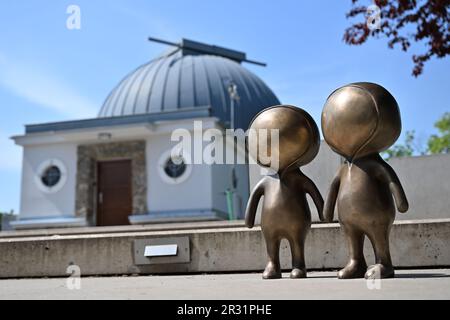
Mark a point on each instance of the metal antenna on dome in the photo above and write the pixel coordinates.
(173, 44)
(208, 49)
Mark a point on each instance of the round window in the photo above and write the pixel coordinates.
(174, 170)
(51, 176)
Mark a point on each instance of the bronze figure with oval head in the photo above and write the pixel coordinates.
(358, 121)
(285, 211)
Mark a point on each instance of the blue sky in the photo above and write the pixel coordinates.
(50, 73)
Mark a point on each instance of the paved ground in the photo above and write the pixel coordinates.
(409, 284)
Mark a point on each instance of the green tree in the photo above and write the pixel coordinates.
(402, 150)
(437, 143)
(4, 214)
(440, 143)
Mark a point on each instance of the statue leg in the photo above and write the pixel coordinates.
(383, 267)
(298, 257)
(273, 269)
(357, 266)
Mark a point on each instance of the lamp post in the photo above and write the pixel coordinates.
(234, 97)
(231, 192)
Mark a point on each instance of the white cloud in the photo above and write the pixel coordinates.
(43, 88)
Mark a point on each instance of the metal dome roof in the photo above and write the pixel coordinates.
(193, 75)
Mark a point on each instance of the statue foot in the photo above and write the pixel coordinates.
(379, 271)
(297, 273)
(353, 270)
(271, 272)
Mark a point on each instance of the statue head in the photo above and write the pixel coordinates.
(298, 138)
(360, 119)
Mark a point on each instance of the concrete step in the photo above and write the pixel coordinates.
(217, 247)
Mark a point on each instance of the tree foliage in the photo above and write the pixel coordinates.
(403, 22)
(437, 143)
(402, 150)
(440, 143)
(4, 214)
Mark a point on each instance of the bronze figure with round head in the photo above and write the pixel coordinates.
(360, 120)
(283, 138)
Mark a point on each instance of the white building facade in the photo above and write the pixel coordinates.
(117, 169)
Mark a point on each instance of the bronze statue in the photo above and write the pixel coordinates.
(285, 212)
(358, 121)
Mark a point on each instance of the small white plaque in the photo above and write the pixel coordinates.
(161, 251)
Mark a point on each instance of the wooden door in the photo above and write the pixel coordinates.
(114, 196)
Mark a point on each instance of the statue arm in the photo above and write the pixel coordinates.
(312, 190)
(396, 188)
(252, 205)
(330, 202)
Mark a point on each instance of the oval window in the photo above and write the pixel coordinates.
(51, 176)
(175, 168)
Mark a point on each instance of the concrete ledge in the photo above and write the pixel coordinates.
(197, 225)
(413, 244)
(176, 216)
(52, 222)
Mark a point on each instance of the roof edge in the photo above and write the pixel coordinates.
(187, 113)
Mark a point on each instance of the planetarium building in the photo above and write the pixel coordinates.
(117, 169)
